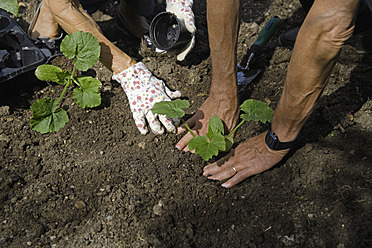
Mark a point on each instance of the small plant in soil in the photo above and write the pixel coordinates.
(84, 49)
(215, 140)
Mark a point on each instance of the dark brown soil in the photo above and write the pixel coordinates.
(99, 183)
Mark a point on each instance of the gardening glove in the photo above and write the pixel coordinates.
(183, 10)
(143, 91)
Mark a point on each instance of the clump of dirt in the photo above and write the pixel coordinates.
(99, 183)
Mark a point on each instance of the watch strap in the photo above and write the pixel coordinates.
(272, 141)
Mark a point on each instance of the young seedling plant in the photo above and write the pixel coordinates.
(84, 49)
(215, 140)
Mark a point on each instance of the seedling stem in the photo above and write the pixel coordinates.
(187, 127)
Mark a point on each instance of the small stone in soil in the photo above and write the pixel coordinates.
(4, 111)
(80, 205)
(142, 145)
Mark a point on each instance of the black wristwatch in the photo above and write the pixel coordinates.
(272, 141)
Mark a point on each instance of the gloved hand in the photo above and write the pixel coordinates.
(183, 10)
(143, 91)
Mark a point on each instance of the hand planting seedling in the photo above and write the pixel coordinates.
(84, 48)
(215, 141)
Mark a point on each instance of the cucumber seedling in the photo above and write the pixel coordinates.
(84, 49)
(215, 140)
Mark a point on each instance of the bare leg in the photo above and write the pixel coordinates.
(223, 26)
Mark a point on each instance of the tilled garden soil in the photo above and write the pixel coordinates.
(99, 183)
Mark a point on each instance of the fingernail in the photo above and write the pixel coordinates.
(224, 185)
(178, 147)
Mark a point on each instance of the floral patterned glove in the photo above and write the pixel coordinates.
(183, 10)
(143, 91)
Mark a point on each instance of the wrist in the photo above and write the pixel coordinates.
(123, 64)
(285, 131)
(226, 99)
(286, 125)
(133, 78)
(274, 143)
(224, 85)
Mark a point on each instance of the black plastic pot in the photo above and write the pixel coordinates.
(167, 32)
(18, 53)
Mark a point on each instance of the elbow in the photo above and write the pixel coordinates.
(331, 30)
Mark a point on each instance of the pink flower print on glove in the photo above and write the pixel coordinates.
(143, 91)
(183, 10)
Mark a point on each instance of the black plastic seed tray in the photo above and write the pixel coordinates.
(18, 53)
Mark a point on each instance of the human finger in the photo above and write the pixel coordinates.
(190, 122)
(239, 177)
(181, 129)
(154, 124)
(176, 121)
(221, 173)
(172, 94)
(231, 169)
(190, 21)
(161, 85)
(167, 123)
(181, 56)
(219, 165)
(183, 143)
(139, 119)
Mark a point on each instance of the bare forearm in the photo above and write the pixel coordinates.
(223, 26)
(305, 82)
(316, 51)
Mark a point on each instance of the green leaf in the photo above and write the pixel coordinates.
(256, 111)
(51, 73)
(87, 95)
(207, 148)
(82, 45)
(10, 6)
(219, 141)
(172, 109)
(229, 142)
(215, 126)
(47, 117)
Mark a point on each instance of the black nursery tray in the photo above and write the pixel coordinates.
(18, 53)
